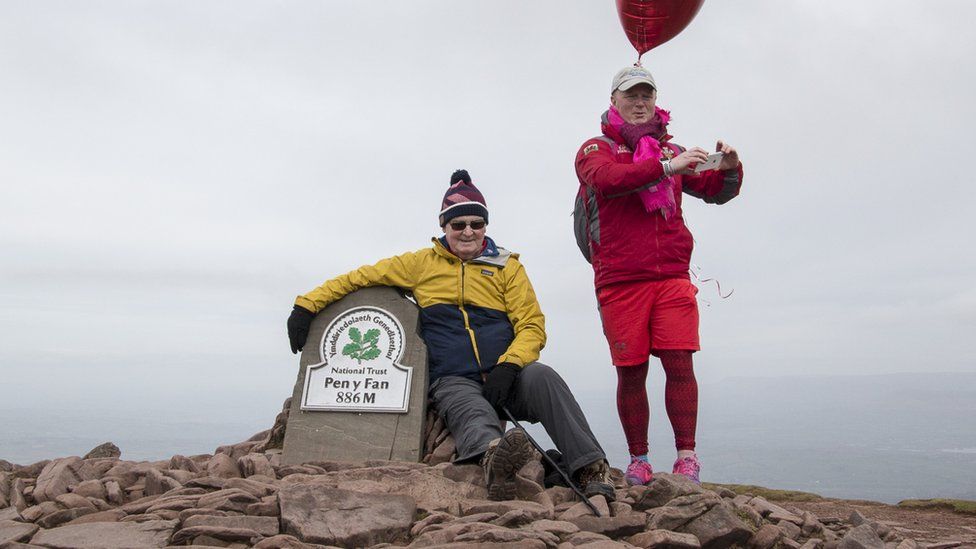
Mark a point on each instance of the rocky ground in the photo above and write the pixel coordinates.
(929, 527)
(241, 496)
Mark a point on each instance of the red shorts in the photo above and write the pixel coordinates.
(648, 315)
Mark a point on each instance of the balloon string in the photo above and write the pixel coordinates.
(718, 285)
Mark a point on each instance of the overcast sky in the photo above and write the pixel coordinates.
(174, 173)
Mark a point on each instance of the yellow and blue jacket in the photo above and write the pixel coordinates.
(474, 314)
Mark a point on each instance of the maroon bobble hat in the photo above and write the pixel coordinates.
(462, 198)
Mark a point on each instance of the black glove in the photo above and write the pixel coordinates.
(499, 383)
(298, 323)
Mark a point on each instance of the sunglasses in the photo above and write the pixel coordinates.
(476, 225)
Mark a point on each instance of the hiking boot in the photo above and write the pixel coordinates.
(689, 467)
(638, 472)
(503, 459)
(595, 480)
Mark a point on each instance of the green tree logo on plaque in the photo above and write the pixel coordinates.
(363, 347)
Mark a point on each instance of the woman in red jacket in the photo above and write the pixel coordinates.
(631, 182)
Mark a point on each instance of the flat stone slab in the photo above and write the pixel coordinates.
(613, 527)
(664, 539)
(431, 491)
(350, 342)
(16, 531)
(107, 535)
(533, 511)
(9, 513)
(265, 526)
(330, 516)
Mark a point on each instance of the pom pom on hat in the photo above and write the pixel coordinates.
(460, 175)
(462, 198)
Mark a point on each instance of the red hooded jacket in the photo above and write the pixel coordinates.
(627, 242)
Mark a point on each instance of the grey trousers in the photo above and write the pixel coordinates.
(539, 396)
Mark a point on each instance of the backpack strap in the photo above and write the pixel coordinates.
(586, 219)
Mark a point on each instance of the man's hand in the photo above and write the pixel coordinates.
(685, 162)
(499, 383)
(298, 323)
(730, 160)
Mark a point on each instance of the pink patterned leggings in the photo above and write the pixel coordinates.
(680, 401)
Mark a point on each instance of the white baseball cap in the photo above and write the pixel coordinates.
(628, 77)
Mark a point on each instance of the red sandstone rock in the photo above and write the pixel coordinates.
(444, 451)
(255, 464)
(718, 528)
(223, 466)
(104, 450)
(114, 493)
(536, 511)
(183, 463)
(35, 512)
(107, 535)
(253, 487)
(264, 526)
(112, 515)
(70, 500)
(284, 541)
(232, 499)
(91, 489)
(158, 483)
(12, 531)
(58, 518)
(217, 532)
(339, 517)
(267, 507)
(59, 476)
(664, 539)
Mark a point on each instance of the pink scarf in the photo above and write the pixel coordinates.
(645, 141)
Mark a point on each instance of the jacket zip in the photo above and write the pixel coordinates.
(467, 324)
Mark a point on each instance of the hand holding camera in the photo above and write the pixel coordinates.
(685, 162)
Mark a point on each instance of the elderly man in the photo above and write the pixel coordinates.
(630, 226)
(484, 330)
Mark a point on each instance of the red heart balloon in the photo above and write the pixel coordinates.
(650, 23)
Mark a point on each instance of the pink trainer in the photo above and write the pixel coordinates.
(638, 472)
(689, 467)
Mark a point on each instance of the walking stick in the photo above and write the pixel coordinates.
(559, 469)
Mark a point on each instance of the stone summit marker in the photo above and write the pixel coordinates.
(361, 391)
